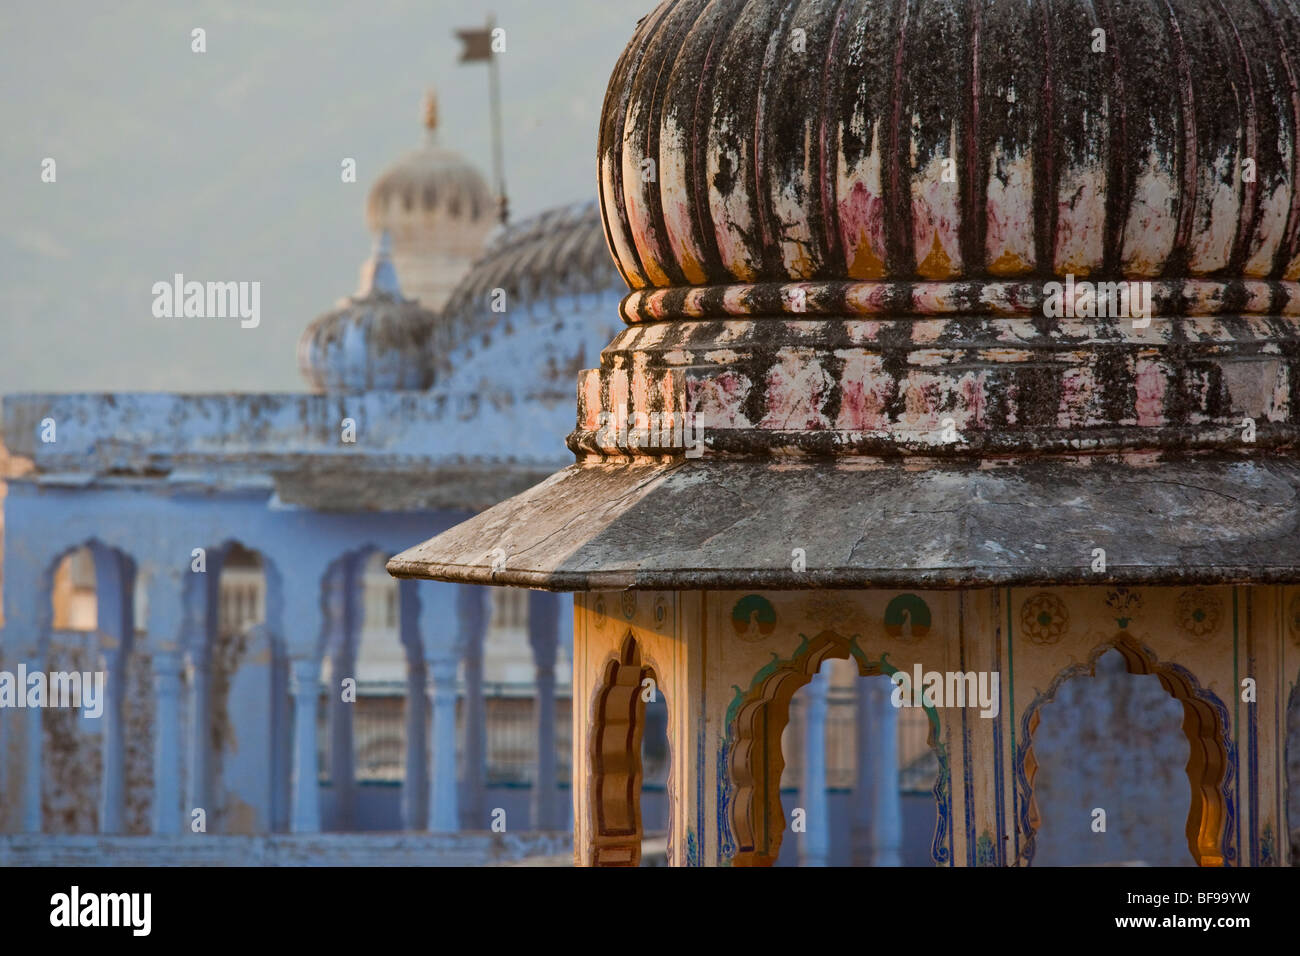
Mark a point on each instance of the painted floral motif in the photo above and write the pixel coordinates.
(1199, 612)
(1125, 604)
(599, 609)
(1044, 619)
(628, 602)
(907, 618)
(661, 612)
(753, 617)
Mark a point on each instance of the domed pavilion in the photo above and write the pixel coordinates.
(961, 341)
(438, 210)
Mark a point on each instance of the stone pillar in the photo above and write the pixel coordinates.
(198, 787)
(618, 640)
(472, 611)
(543, 619)
(304, 685)
(167, 741)
(877, 809)
(415, 787)
(34, 755)
(443, 809)
(342, 606)
(203, 625)
(28, 618)
(567, 608)
(168, 599)
(436, 634)
(113, 589)
(814, 848)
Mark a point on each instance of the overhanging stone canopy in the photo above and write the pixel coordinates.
(870, 251)
(728, 524)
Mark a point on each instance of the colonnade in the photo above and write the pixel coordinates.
(313, 611)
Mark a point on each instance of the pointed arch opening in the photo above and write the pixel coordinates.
(628, 685)
(754, 761)
(244, 696)
(1209, 828)
(85, 641)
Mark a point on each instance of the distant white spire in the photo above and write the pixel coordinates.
(379, 274)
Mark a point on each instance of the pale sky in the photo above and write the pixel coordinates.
(225, 165)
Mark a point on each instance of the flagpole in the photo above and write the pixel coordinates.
(479, 45)
(494, 93)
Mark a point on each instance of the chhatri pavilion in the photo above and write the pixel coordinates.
(840, 226)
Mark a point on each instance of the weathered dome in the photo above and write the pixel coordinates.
(375, 339)
(913, 181)
(752, 143)
(438, 210)
(552, 271)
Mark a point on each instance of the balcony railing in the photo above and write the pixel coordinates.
(379, 738)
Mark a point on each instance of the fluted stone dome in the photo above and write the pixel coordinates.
(376, 339)
(751, 143)
(438, 210)
(914, 181)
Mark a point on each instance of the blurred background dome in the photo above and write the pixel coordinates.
(437, 209)
(534, 310)
(376, 339)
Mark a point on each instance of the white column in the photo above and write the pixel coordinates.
(304, 685)
(877, 810)
(543, 620)
(472, 611)
(814, 848)
(443, 803)
(167, 741)
(439, 638)
(887, 823)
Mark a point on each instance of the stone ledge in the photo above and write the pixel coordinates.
(323, 849)
(719, 525)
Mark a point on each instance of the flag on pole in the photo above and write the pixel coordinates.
(478, 45)
(478, 48)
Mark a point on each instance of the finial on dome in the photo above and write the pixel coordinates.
(379, 274)
(373, 340)
(431, 111)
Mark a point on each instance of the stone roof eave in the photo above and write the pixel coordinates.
(727, 524)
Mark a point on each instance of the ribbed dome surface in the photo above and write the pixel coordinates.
(426, 179)
(553, 286)
(558, 252)
(867, 140)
